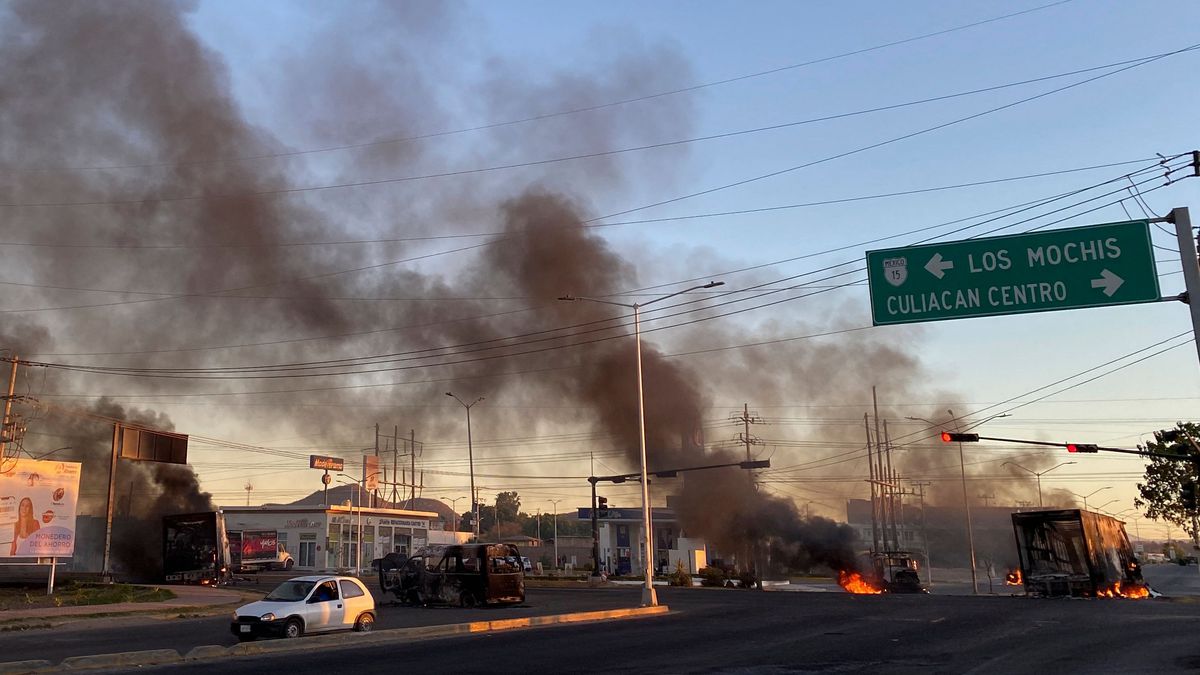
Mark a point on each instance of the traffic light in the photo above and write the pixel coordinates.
(948, 437)
(1187, 495)
(602, 507)
(755, 464)
(1082, 447)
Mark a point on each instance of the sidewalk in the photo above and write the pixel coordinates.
(185, 596)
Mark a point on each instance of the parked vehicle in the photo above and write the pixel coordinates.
(313, 604)
(255, 550)
(1072, 552)
(464, 574)
(195, 548)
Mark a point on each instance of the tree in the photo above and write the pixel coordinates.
(1162, 492)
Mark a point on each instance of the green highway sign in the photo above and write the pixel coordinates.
(1093, 266)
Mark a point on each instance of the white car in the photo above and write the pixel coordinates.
(302, 605)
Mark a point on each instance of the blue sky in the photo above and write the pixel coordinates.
(1128, 116)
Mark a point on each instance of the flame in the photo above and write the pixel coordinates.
(1124, 590)
(853, 582)
(1014, 578)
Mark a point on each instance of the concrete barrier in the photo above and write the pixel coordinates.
(318, 642)
(149, 657)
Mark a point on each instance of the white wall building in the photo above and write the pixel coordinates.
(326, 538)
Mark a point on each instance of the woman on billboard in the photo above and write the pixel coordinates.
(26, 524)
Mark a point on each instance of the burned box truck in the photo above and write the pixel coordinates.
(1071, 552)
(195, 548)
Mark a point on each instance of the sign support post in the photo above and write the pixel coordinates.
(1191, 270)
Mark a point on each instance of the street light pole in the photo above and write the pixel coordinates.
(454, 507)
(471, 463)
(649, 597)
(555, 503)
(1089, 495)
(962, 462)
(359, 485)
(1038, 474)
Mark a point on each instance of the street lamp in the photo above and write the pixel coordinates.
(1089, 495)
(1039, 477)
(555, 503)
(1111, 501)
(471, 461)
(966, 501)
(454, 507)
(649, 597)
(358, 498)
(1137, 530)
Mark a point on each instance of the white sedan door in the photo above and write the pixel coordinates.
(325, 609)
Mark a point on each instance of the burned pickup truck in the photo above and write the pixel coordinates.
(1077, 553)
(466, 575)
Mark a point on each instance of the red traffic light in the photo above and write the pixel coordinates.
(1082, 447)
(948, 437)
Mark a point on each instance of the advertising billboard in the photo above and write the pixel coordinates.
(37, 509)
(259, 546)
(371, 473)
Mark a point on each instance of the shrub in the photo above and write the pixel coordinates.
(712, 576)
(680, 577)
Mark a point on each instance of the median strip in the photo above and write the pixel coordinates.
(211, 652)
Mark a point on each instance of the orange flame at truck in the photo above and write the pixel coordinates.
(1014, 578)
(1123, 590)
(854, 582)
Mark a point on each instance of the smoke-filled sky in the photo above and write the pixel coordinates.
(273, 227)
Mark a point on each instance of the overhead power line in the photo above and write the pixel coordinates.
(554, 334)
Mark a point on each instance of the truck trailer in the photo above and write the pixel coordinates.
(195, 548)
(1076, 553)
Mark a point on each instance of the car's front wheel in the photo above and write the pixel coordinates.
(288, 565)
(293, 629)
(365, 622)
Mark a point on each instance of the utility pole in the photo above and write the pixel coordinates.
(7, 430)
(921, 485)
(874, 488)
(747, 419)
(248, 487)
(893, 502)
(376, 492)
(412, 459)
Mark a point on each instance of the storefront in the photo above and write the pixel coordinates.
(323, 539)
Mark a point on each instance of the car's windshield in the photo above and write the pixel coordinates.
(290, 591)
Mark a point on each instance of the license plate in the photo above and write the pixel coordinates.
(244, 628)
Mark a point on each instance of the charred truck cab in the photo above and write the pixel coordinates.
(466, 575)
(897, 572)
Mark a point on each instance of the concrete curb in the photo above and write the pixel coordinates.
(213, 652)
(151, 657)
(19, 667)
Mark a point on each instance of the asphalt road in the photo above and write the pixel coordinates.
(725, 631)
(138, 633)
(765, 632)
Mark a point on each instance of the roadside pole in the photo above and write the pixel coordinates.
(106, 573)
(1191, 270)
(1191, 279)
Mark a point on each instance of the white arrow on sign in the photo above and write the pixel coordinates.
(937, 267)
(1108, 281)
